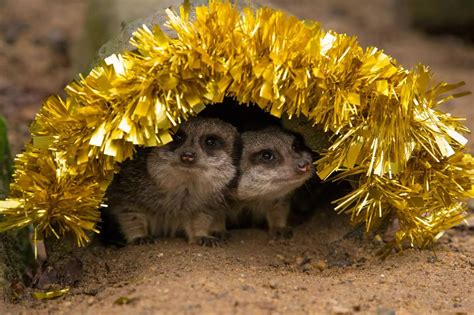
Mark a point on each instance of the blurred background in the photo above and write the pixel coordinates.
(45, 43)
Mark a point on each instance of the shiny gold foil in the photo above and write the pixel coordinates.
(387, 131)
(49, 294)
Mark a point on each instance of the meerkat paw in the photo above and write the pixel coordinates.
(144, 240)
(208, 241)
(282, 233)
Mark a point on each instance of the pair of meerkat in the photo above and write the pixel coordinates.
(207, 174)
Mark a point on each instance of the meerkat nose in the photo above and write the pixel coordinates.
(304, 166)
(188, 157)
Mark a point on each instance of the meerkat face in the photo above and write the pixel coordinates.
(203, 150)
(273, 164)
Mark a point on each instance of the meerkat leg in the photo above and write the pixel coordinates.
(133, 226)
(198, 230)
(277, 219)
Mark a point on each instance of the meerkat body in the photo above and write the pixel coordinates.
(272, 166)
(179, 187)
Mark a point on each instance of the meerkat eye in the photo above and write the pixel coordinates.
(212, 141)
(267, 155)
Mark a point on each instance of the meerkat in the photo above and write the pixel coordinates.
(274, 163)
(179, 187)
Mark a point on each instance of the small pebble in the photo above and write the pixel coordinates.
(320, 265)
(272, 284)
(91, 292)
(356, 308)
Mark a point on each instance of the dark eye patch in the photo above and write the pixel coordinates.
(266, 156)
(212, 142)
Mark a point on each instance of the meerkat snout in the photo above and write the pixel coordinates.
(188, 157)
(274, 163)
(304, 167)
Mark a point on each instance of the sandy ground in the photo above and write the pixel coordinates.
(318, 271)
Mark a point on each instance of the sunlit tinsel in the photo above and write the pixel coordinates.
(387, 130)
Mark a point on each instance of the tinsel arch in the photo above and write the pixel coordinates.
(407, 155)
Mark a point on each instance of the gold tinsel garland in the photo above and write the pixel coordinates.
(406, 154)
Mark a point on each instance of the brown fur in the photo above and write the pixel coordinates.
(265, 187)
(158, 194)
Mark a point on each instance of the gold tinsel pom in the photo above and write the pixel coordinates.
(387, 133)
